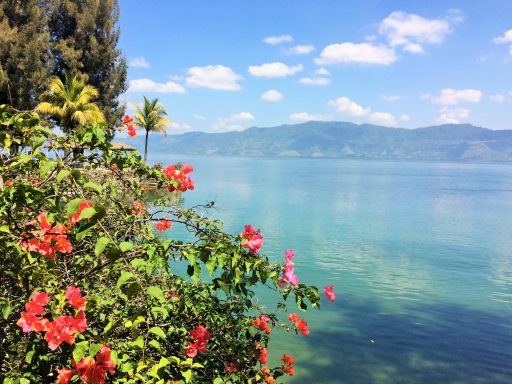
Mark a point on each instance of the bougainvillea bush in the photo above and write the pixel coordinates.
(91, 291)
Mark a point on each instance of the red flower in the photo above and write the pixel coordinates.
(84, 204)
(263, 356)
(132, 131)
(231, 368)
(74, 297)
(201, 336)
(163, 224)
(127, 119)
(300, 324)
(65, 374)
(179, 174)
(261, 323)
(104, 360)
(138, 207)
(30, 322)
(200, 333)
(251, 239)
(288, 364)
(9, 183)
(64, 329)
(191, 350)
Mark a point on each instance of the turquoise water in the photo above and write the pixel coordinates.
(420, 255)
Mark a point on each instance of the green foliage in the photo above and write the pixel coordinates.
(138, 303)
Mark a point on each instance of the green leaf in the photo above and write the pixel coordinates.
(218, 380)
(160, 310)
(156, 292)
(6, 311)
(138, 342)
(5, 228)
(155, 344)
(84, 230)
(29, 356)
(95, 348)
(187, 375)
(125, 276)
(126, 246)
(211, 265)
(80, 350)
(87, 213)
(24, 381)
(93, 186)
(159, 332)
(46, 166)
(73, 206)
(63, 173)
(101, 243)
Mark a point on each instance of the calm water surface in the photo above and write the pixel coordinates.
(420, 255)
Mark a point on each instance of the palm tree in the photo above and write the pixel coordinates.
(70, 102)
(151, 117)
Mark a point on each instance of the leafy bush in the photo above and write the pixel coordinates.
(92, 293)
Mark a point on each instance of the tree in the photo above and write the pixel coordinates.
(24, 52)
(151, 117)
(70, 102)
(84, 37)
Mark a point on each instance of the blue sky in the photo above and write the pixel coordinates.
(228, 65)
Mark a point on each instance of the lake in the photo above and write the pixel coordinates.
(420, 255)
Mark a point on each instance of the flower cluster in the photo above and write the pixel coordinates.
(251, 239)
(131, 129)
(63, 329)
(288, 364)
(163, 224)
(289, 268)
(179, 173)
(300, 324)
(201, 336)
(48, 239)
(267, 377)
(138, 208)
(329, 292)
(263, 357)
(90, 370)
(262, 323)
(83, 205)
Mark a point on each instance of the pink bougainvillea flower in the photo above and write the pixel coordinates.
(163, 224)
(30, 322)
(191, 350)
(90, 370)
(251, 239)
(201, 336)
(104, 360)
(75, 298)
(200, 333)
(289, 254)
(329, 292)
(289, 276)
(64, 329)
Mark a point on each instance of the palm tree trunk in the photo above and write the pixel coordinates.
(146, 148)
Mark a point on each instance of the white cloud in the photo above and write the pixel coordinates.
(410, 31)
(382, 118)
(274, 70)
(242, 116)
(450, 96)
(322, 71)
(315, 81)
(214, 77)
(356, 53)
(452, 116)
(505, 38)
(147, 85)
(304, 116)
(139, 62)
(301, 50)
(405, 117)
(272, 96)
(200, 117)
(180, 127)
(345, 106)
(390, 98)
(275, 40)
(498, 98)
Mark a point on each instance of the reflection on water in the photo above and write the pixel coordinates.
(420, 255)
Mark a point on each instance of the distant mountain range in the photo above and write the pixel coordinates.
(454, 142)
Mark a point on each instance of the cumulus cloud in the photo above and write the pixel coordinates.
(275, 40)
(274, 70)
(405, 117)
(364, 53)
(382, 118)
(322, 71)
(315, 81)
(345, 106)
(304, 116)
(272, 96)
(450, 96)
(242, 116)
(214, 77)
(181, 127)
(506, 38)
(139, 62)
(390, 98)
(411, 31)
(301, 49)
(147, 85)
(452, 116)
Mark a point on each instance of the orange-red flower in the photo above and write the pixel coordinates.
(84, 204)
(300, 324)
(75, 298)
(163, 224)
(127, 119)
